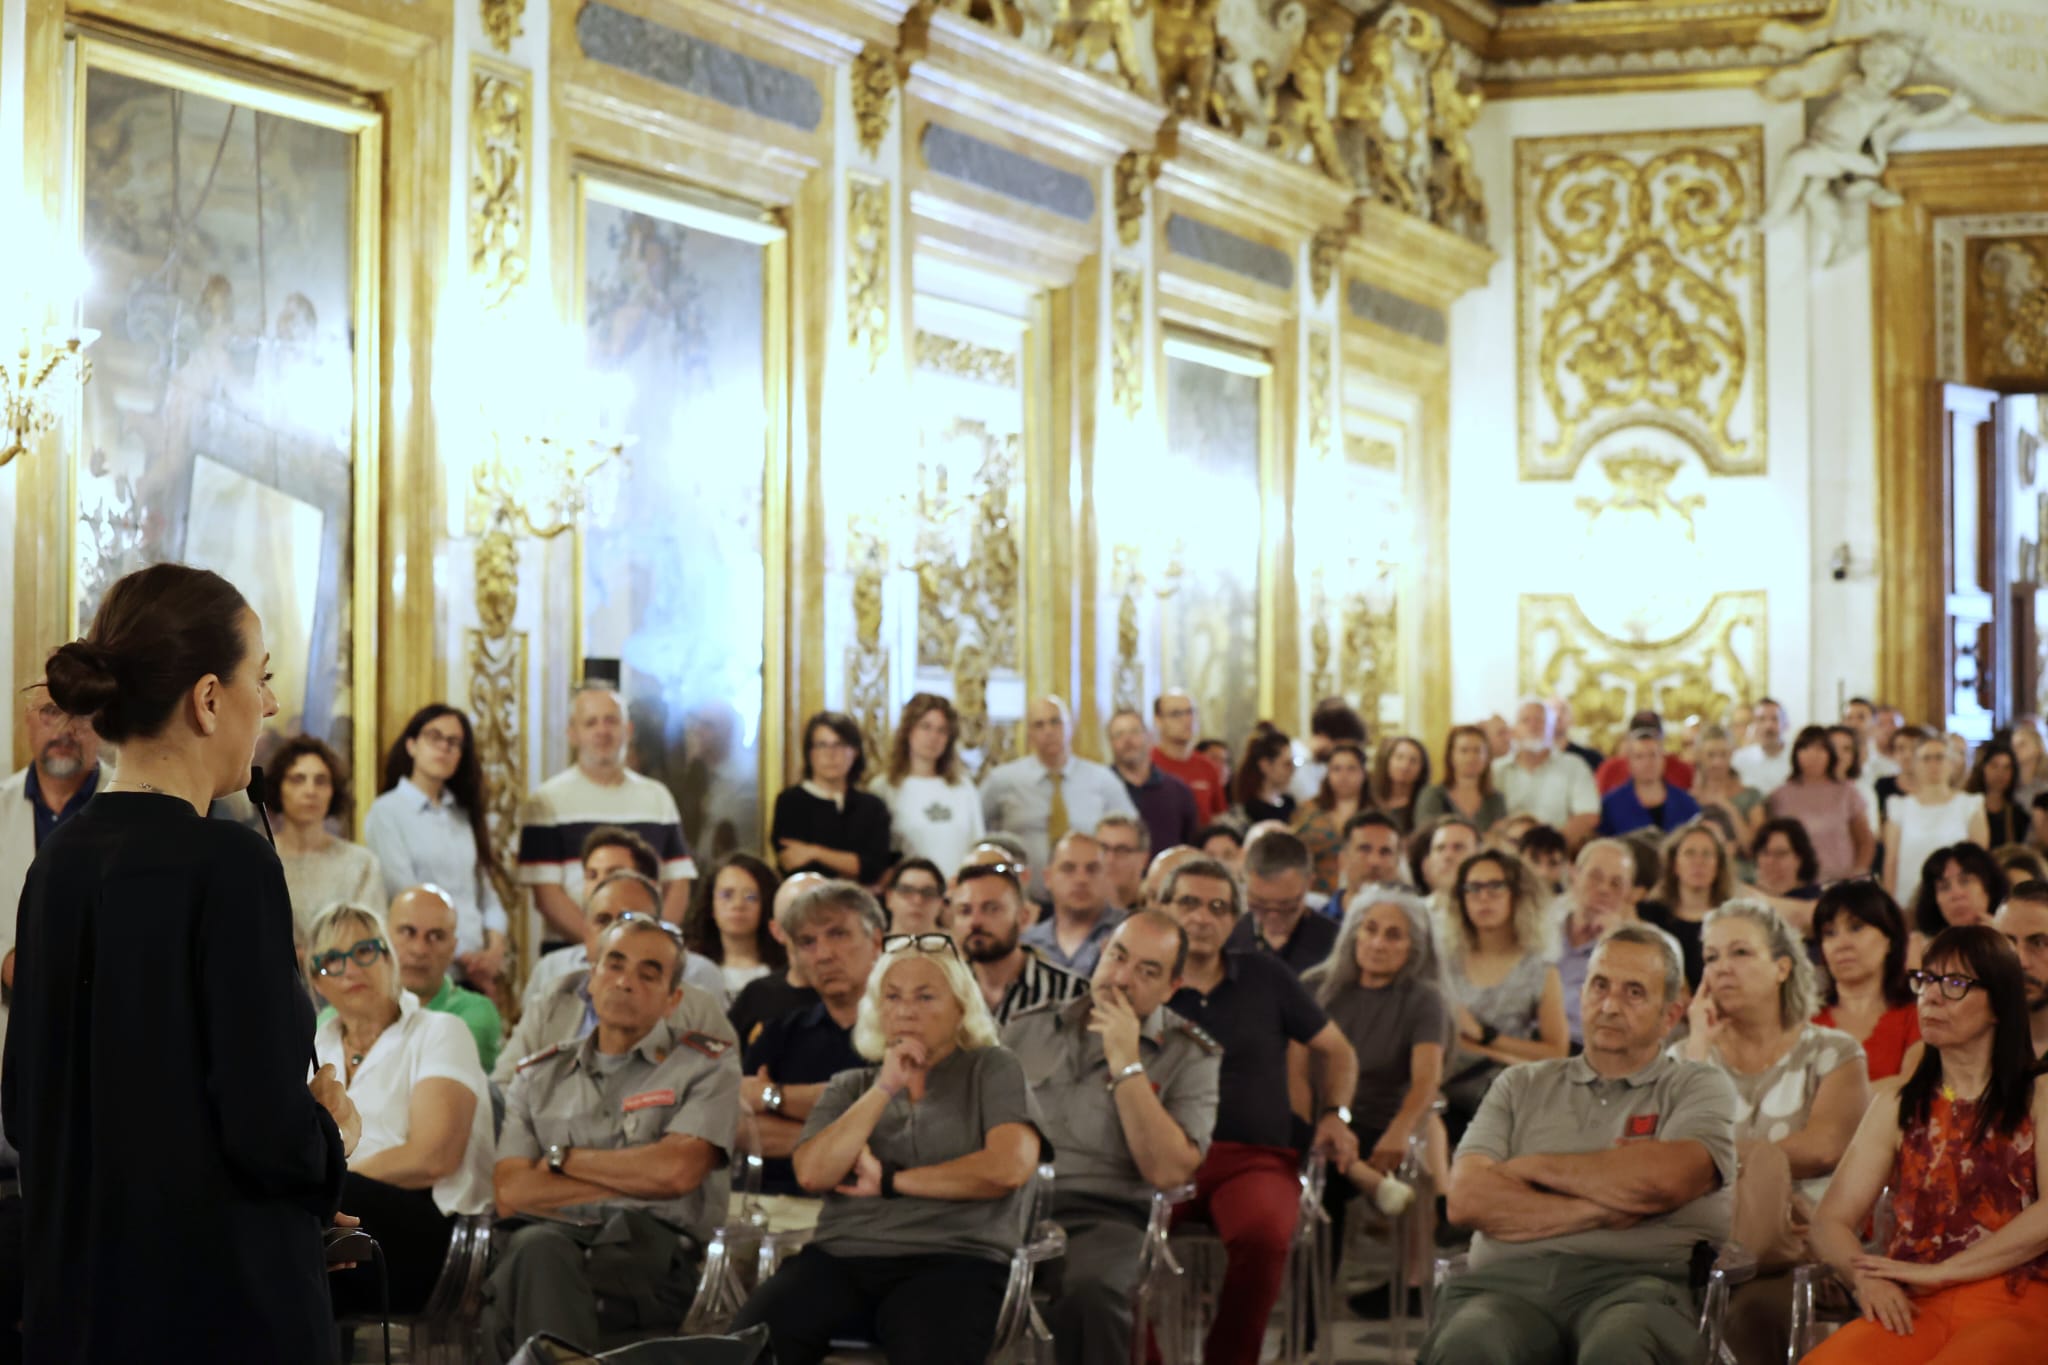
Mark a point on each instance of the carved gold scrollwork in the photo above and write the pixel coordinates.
(867, 268)
(1127, 684)
(499, 113)
(968, 565)
(1184, 45)
(1324, 252)
(1135, 172)
(504, 20)
(1371, 652)
(1321, 679)
(1641, 293)
(1126, 340)
(1320, 378)
(2010, 294)
(867, 658)
(965, 359)
(874, 81)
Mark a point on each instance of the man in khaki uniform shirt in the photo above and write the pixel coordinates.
(614, 1146)
(1128, 1090)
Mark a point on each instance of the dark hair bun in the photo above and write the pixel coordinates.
(81, 679)
(157, 633)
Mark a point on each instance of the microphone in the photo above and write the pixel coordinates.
(255, 794)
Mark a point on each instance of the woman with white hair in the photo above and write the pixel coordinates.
(426, 1152)
(925, 1161)
(1800, 1087)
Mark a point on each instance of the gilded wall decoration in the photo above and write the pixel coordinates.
(1321, 675)
(500, 142)
(1320, 380)
(968, 561)
(1126, 340)
(1370, 654)
(1641, 481)
(867, 658)
(1640, 294)
(504, 20)
(1372, 452)
(2008, 313)
(874, 81)
(942, 354)
(867, 268)
(1135, 172)
(1184, 47)
(1324, 251)
(1703, 671)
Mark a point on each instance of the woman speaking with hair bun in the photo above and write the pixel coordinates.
(177, 1171)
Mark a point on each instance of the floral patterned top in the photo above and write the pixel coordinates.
(1950, 1192)
(1323, 832)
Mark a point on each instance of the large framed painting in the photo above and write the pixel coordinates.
(231, 231)
(684, 298)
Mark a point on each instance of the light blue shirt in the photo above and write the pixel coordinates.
(418, 840)
(1045, 937)
(1017, 799)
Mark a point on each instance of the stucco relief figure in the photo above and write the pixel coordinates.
(1255, 50)
(1833, 174)
(1184, 41)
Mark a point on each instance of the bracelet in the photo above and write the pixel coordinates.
(888, 1181)
(1134, 1069)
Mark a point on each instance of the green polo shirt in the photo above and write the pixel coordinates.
(476, 1012)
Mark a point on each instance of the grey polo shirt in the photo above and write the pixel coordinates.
(688, 1085)
(1564, 1106)
(970, 1092)
(1064, 1065)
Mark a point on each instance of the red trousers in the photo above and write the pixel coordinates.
(1980, 1323)
(1252, 1197)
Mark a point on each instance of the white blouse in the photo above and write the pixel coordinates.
(930, 817)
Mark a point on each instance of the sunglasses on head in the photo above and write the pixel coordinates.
(1009, 872)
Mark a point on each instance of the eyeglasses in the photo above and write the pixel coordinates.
(364, 954)
(1221, 909)
(922, 943)
(1953, 986)
(1489, 887)
(1122, 850)
(922, 894)
(441, 739)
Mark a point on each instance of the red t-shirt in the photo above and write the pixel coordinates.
(1203, 777)
(1885, 1049)
(1614, 773)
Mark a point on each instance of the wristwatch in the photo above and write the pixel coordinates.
(771, 1097)
(556, 1156)
(888, 1180)
(1487, 1033)
(1342, 1111)
(1134, 1069)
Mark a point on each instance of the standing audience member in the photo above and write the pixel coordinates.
(1542, 780)
(1847, 742)
(1698, 877)
(1799, 1088)
(1718, 788)
(1614, 771)
(2021, 863)
(914, 895)
(777, 993)
(1592, 758)
(988, 924)
(305, 786)
(1820, 798)
(1263, 778)
(1322, 818)
(1964, 1274)
(826, 823)
(1126, 848)
(1761, 760)
(422, 922)
(1589, 1183)
(608, 849)
(2030, 759)
(925, 1161)
(1178, 755)
(621, 1136)
(1933, 815)
(426, 1150)
(1249, 1186)
(934, 810)
(2023, 919)
(731, 923)
(1371, 856)
(1082, 918)
(1276, 873)
(1995, 777)
(1400, 774)
(1115, 1143)
(430, 825)
(1862, 937)
(1599, 900)
(1437, 849)
(1467, 790)
(1960, 884)
(1898, 781)
(1217, 751)
(1166, 805)
(597, 790)
(1050, 790)
(1645, 801)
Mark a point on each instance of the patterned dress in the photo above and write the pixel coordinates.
(1950, 1191)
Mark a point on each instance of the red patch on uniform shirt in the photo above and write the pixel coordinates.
(1642, 1126)
(649, 1099)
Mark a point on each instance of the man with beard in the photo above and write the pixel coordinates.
(2023, 919)
(988, 921)
(33, 802)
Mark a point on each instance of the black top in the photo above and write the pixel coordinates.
(176, 1173)
(803, 1048)
(1686, 931)
(861, 828)
(765, 998)
(1282, 810)
(1256, 1010)
(1313, 937)
(1167, 806)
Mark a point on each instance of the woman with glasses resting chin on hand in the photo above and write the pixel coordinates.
(925, 1162)
(1964, 1275)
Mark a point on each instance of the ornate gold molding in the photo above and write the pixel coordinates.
(1370, 652)
(1324, 251)
(500, 172)
(874, 81)
(1135, 172)
(1321, 380)
(1640, 294)
(504, 20)
(2009, 316)
(1126, 340)
(867, 268)
(968, 560)
(965, 359)
(867, 658)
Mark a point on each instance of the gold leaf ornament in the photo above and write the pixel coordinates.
(874, 82)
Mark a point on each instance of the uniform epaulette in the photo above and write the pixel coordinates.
(541, 1056)
(1201, 1035)
(710, 1044)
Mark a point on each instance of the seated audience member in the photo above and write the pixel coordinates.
(1331, 721)
(1400, 774)
(608, 849)
(777, 993)
(2030, 758)
(1222, 841)
(1546, 853)
(988, 924)
(2038, 830)
(1008, 849)
(621, 1136)
(1764, 757)
(826, 823)
(1436, 849)
(2021, 864)
(1050, 790)
(730, 923)
(925, 1163)
(430, 826)
(422, 923)
(1818, 797)
(1598, 900)
(1113, 1142)
(1126, 847)
(913, 895)
(934, 809)
(1379, 988)
(1960, 884)
(1500, 736)
(1613, 771)
(425, 1154)
(1898, 780)
(1163, 864)
(1645, 801)
(1787, 870)
(1276, 873)
(1467, 790)
(1964, 1274)
(1698, 877)
(1592, 758)
(1508, 833)
(597, 790)
(305, 785)
(1495, 936)
(1932, 816)
(1082, 918)
(1371, 857)
(1540, 779)
(568, 1010)
(1720, 789)
(1249, 1186)
(836, 932)
(1167, 809)
(1320, 821)
(1590, 1182)
(2023, 919)
(1847, 742)
(1264, 777)
(1204, 766)
(1862, 937)
(1799, 1090)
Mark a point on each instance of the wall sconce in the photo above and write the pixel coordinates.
(41, 383)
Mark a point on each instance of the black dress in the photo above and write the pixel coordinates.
(860, 827)
(177, 1173)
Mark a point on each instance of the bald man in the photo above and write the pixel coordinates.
(1049, 791)
(422, 925)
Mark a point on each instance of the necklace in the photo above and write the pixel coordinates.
(136, 786)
